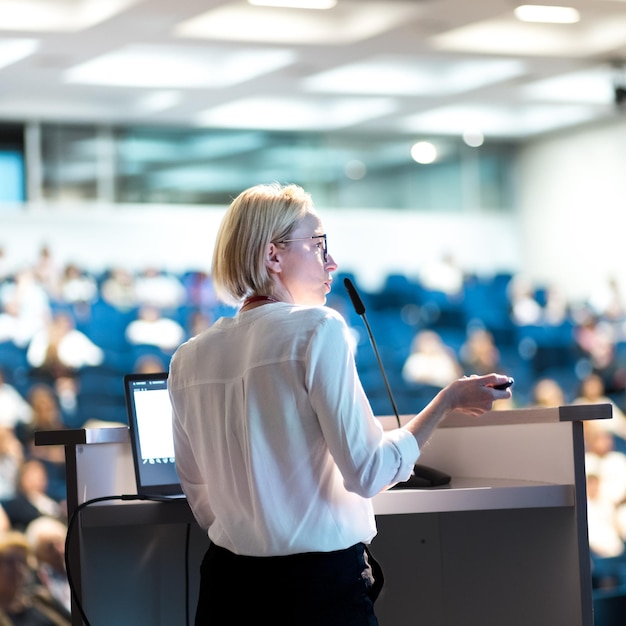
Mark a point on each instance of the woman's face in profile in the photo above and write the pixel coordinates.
(304, 273)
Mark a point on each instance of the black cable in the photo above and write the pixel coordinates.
(70, 526)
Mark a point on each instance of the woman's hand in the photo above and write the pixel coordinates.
(475, 395)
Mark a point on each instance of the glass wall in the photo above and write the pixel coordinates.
(204, 166)
(12, 167)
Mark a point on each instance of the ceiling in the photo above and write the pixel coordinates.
(406, 67)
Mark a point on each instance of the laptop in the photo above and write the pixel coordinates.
(150, 424)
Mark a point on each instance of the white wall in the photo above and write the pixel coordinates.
(570, 229)
(368, 243)
(573, 209)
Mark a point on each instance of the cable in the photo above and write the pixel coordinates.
(70, 525)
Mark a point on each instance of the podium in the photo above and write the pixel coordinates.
(504, 543)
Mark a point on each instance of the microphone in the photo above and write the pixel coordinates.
(423, 476)
(359, 308)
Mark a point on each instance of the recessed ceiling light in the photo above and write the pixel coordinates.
(547, 14)
(295, 4)
(14, 50)
(295, 113)
(473, 137)
(423, 152)
(177, 66)
(58, 16)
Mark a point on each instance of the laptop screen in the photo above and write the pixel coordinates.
(150, 425)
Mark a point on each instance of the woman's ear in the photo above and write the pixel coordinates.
(273, 258)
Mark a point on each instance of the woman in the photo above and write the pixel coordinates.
(277, 448)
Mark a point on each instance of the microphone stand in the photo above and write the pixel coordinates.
(359, 307)
(423, 476)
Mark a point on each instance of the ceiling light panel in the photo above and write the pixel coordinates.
(348, 22)
(296, 113)
(178, 66)
(58, 16)
(295, 4)
(498, 121)
(547, 14)
(593, 86)
(14, 50)
(511, 37)
(403, 76)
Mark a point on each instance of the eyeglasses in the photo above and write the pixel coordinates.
(325, 248)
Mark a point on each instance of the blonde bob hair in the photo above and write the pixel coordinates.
(258, 216)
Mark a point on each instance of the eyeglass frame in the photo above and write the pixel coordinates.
(306, 239)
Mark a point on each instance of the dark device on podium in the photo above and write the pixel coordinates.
(423, 476)
(152, 441)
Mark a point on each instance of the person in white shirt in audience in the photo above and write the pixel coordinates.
(151, 328)
(14, 408)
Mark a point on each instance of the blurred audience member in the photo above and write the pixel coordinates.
(159, 289)
(149, 364)
(61, 350)
(14, 408)
(118, 289)
(77, 286)
(11, 459)
(46, 416)
(46, 538)
(431, 361)
(479, 354)
(547, 392)
(31, 499)
(200, 290)
(596, 340)
(5, 522)
(592, 391)
(604, 461)
(66, 389)
(151, 328)
(606, 300)
(27, 304)
(525, 309)
(605, 540)
(5, 266)
(46, 271)
(23, 603)
(444, 274)
(197, 322)
(555, 308)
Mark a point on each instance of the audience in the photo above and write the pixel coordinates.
(592, 391)
(547, 392)
(46, 416)
(14, 409)
(118, 289)
(11, 459)
(152, 328)
(46, 538)
(170, 309)
(25, 305)
(431, 362)
(22, 601)
(31, 499)
(479, 353)
(60, 349)
(159, 288)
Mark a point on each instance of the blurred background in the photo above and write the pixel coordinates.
(467, 160)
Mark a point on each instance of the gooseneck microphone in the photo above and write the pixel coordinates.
(359, 308)
(423, 476)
